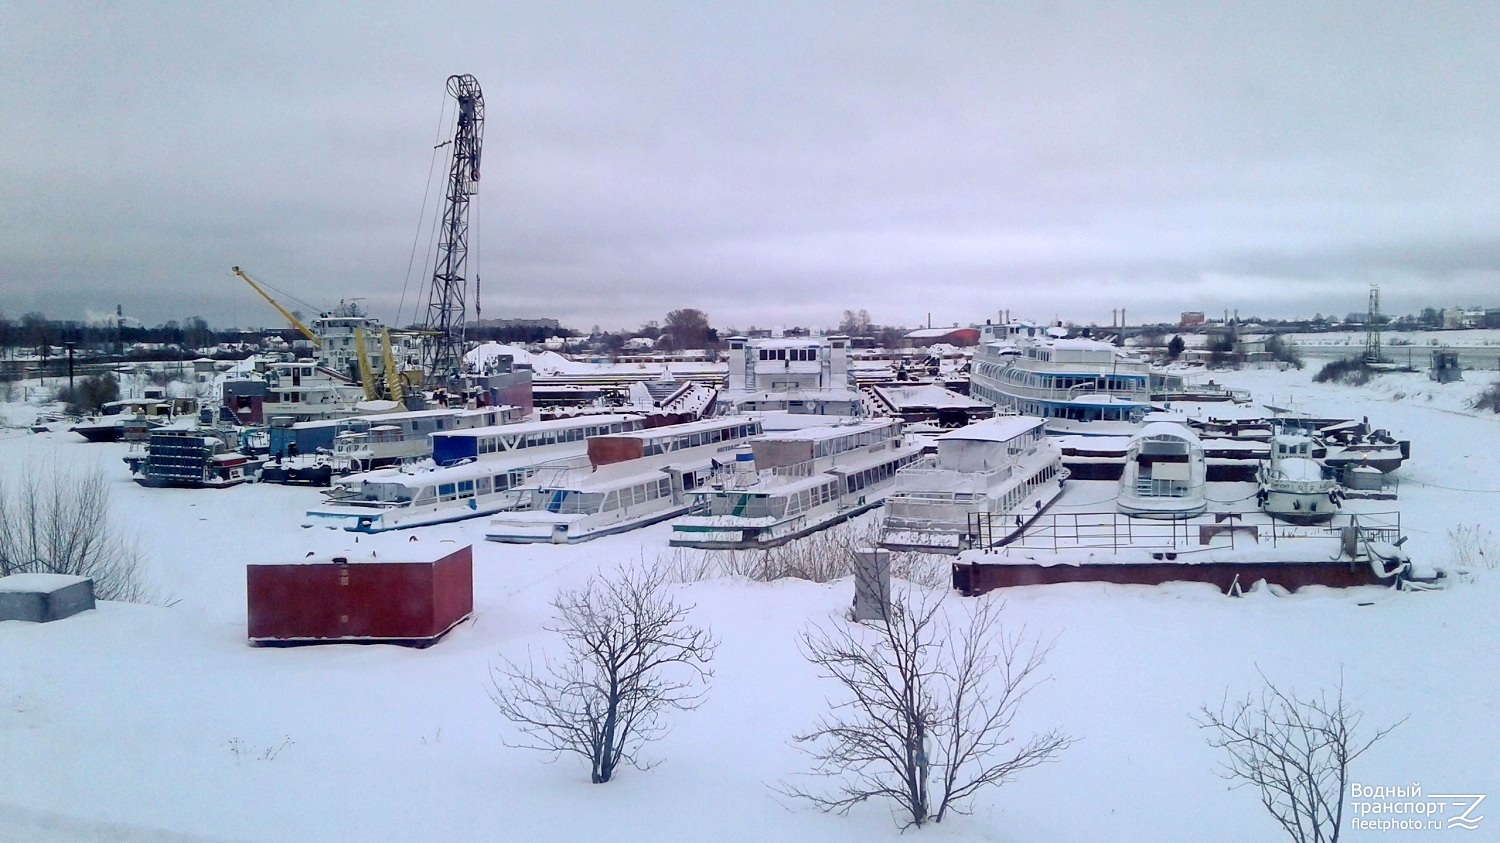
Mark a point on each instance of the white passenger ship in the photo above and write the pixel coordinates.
(1036, 371)
(802, 480)
(474, 473)
(1002, 469)
(632, 479)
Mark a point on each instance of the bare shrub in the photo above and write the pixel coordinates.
(1294, 751)
(57, 521)
(822, 557)
(1347, 370)
(90, 395)
(1473, 546)
(631, 658)
(923, 697)
(1489, 399)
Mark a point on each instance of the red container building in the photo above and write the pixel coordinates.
(357, 601)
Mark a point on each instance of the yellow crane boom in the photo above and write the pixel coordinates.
(296, 323)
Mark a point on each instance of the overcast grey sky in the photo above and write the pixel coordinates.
(768, 163)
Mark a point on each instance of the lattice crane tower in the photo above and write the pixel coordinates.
(443, 351)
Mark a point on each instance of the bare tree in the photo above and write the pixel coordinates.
(923, 695)
(856, 324)
(57, 521)
(688, 328)
(1296, 752)
(631, 657)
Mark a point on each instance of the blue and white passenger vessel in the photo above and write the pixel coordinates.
(1037, 371)
(474, 472)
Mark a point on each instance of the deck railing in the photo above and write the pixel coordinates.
(1115, 531)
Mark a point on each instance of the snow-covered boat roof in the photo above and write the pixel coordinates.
(1001, 429)
(543, 426)
(829, 431)
(926, 395)
(1168, 429)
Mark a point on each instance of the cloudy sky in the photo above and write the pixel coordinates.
(768, 163)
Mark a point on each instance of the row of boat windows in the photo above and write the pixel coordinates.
(1062, 380)
(458, 490)
(511, 441)
(1013, 498)
(854, 441)
(877, 474)
(731, 433)
(805, 355)
(1047, 410)
(573, 502)
(804, 500)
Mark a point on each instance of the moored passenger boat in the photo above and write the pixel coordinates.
(802, 481)
(475, 473)
(1040, 372)
(1164, 474)
(632, 479)
(1003, 468)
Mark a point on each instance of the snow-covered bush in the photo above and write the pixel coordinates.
(1347, 370)
(1489, 399)
(1473, 546)
(822, 557)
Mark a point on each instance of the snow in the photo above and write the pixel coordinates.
(926, 395)
(159, 722)
(37, 583)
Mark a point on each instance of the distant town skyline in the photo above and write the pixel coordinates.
(775, 164)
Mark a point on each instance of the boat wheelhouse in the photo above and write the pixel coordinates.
(790, 374)
(1165, 472)
(1039, 372)
(304, 391)
(475, 473)
(1003, 468)
(799, 481)
(632, 479)
(1293, 486)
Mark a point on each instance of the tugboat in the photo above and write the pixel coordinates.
(1293, 486)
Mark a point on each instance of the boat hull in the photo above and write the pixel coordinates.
(572, 532)
(949, 542)
(708, 535)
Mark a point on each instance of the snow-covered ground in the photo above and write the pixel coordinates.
(159, 723)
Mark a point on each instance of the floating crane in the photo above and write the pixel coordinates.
(286, 314)
(443, 353)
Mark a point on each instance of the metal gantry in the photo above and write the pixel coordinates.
(443, 352)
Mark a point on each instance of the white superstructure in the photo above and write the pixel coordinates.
(1001, 469)
(798, 481)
